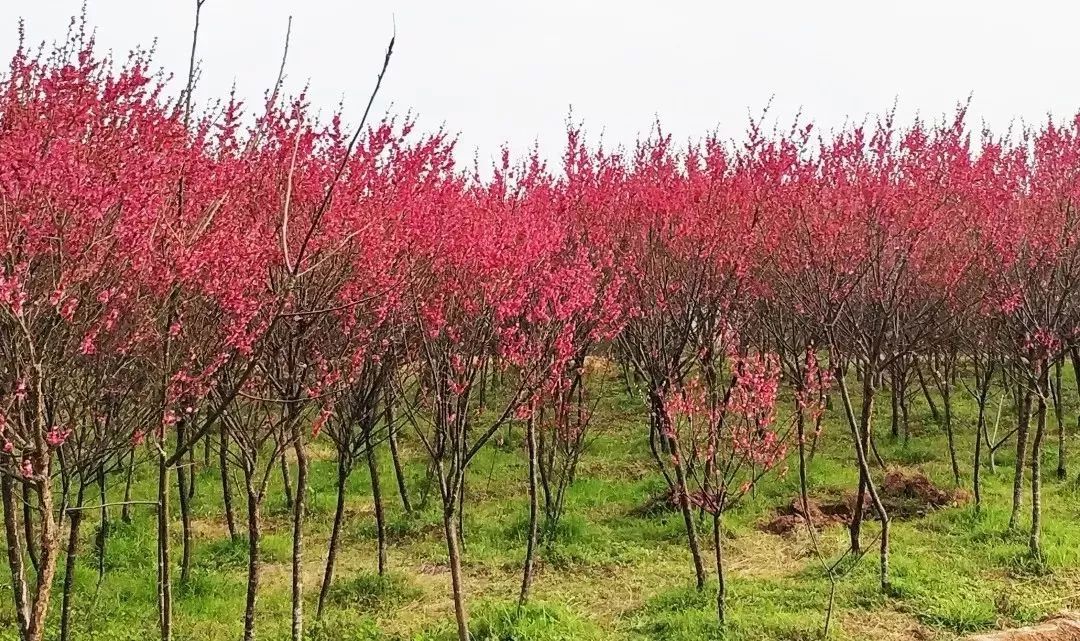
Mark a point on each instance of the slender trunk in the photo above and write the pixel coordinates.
(688, 517)
(1035, 540)
(721, 587)
(814, 438)
(65, 489)
(335, 533)
(946, 395)
(1059, 416)
(191, 472)
(182, 479)
(399, 473)
(28, 525)
(226, 485)
(254, 564)
(861, 448)
(657, 440)
(894, 395)
(461, 513)
(1074, 355)
(15, 550)
(48, 548)
(855, 527)
(164, 553)
(926, 393)
(286, 482)
(482, 398)
(298, 536)
(991, 443)
(905, 425)
(857, 430)
(873, 446)
(1023, 421)
(125, 512)
(530, 546)
(75, 516)
(980, 428)
(208, 445)
(450, 530)
(804, 498)
(101, 541)
(376, 497)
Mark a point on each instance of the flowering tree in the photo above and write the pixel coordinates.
(739, 440)
(76, 190)
(476, 262)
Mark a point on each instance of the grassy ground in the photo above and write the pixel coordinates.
(614, 574)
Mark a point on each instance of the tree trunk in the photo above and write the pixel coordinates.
(858, 433)
(28, 525)
(335, 534)
(298, 537)
(254, 564)
(101, 541)
(894, 396)
(1059, 416)
(208, 444)
(1023, 421)
(946, 395)
(721, 587)
(980, 428)
(125, 512)
(657, 439)
(450, 530)
(15, 550)
(48, 548)
(861, 448)
(1074, 355)
(461, 512)
(905, 425)
(65, 489)
(1035, 540)
(164, 553)
(926, 393)
(399, 473)
(76, 517)
(534, 508)
(286, 482)
(191, 472)
(182, 471)
(376, 496)
(688, 516)
(226, 485)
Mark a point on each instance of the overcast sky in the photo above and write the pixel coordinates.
(508, 71)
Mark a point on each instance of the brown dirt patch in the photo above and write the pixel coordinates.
(664, 502)
(906, 495)
(909, 495)
(821, 514)
(1064, 627)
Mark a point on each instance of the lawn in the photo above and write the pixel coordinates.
(617, 571)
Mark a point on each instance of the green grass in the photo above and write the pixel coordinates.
(616, 569)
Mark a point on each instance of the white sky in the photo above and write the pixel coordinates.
(509, 70)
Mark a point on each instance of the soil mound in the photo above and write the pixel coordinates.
(790, 516)
(664, 502)
(906, 495)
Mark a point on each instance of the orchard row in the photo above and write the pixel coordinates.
(259, 276)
